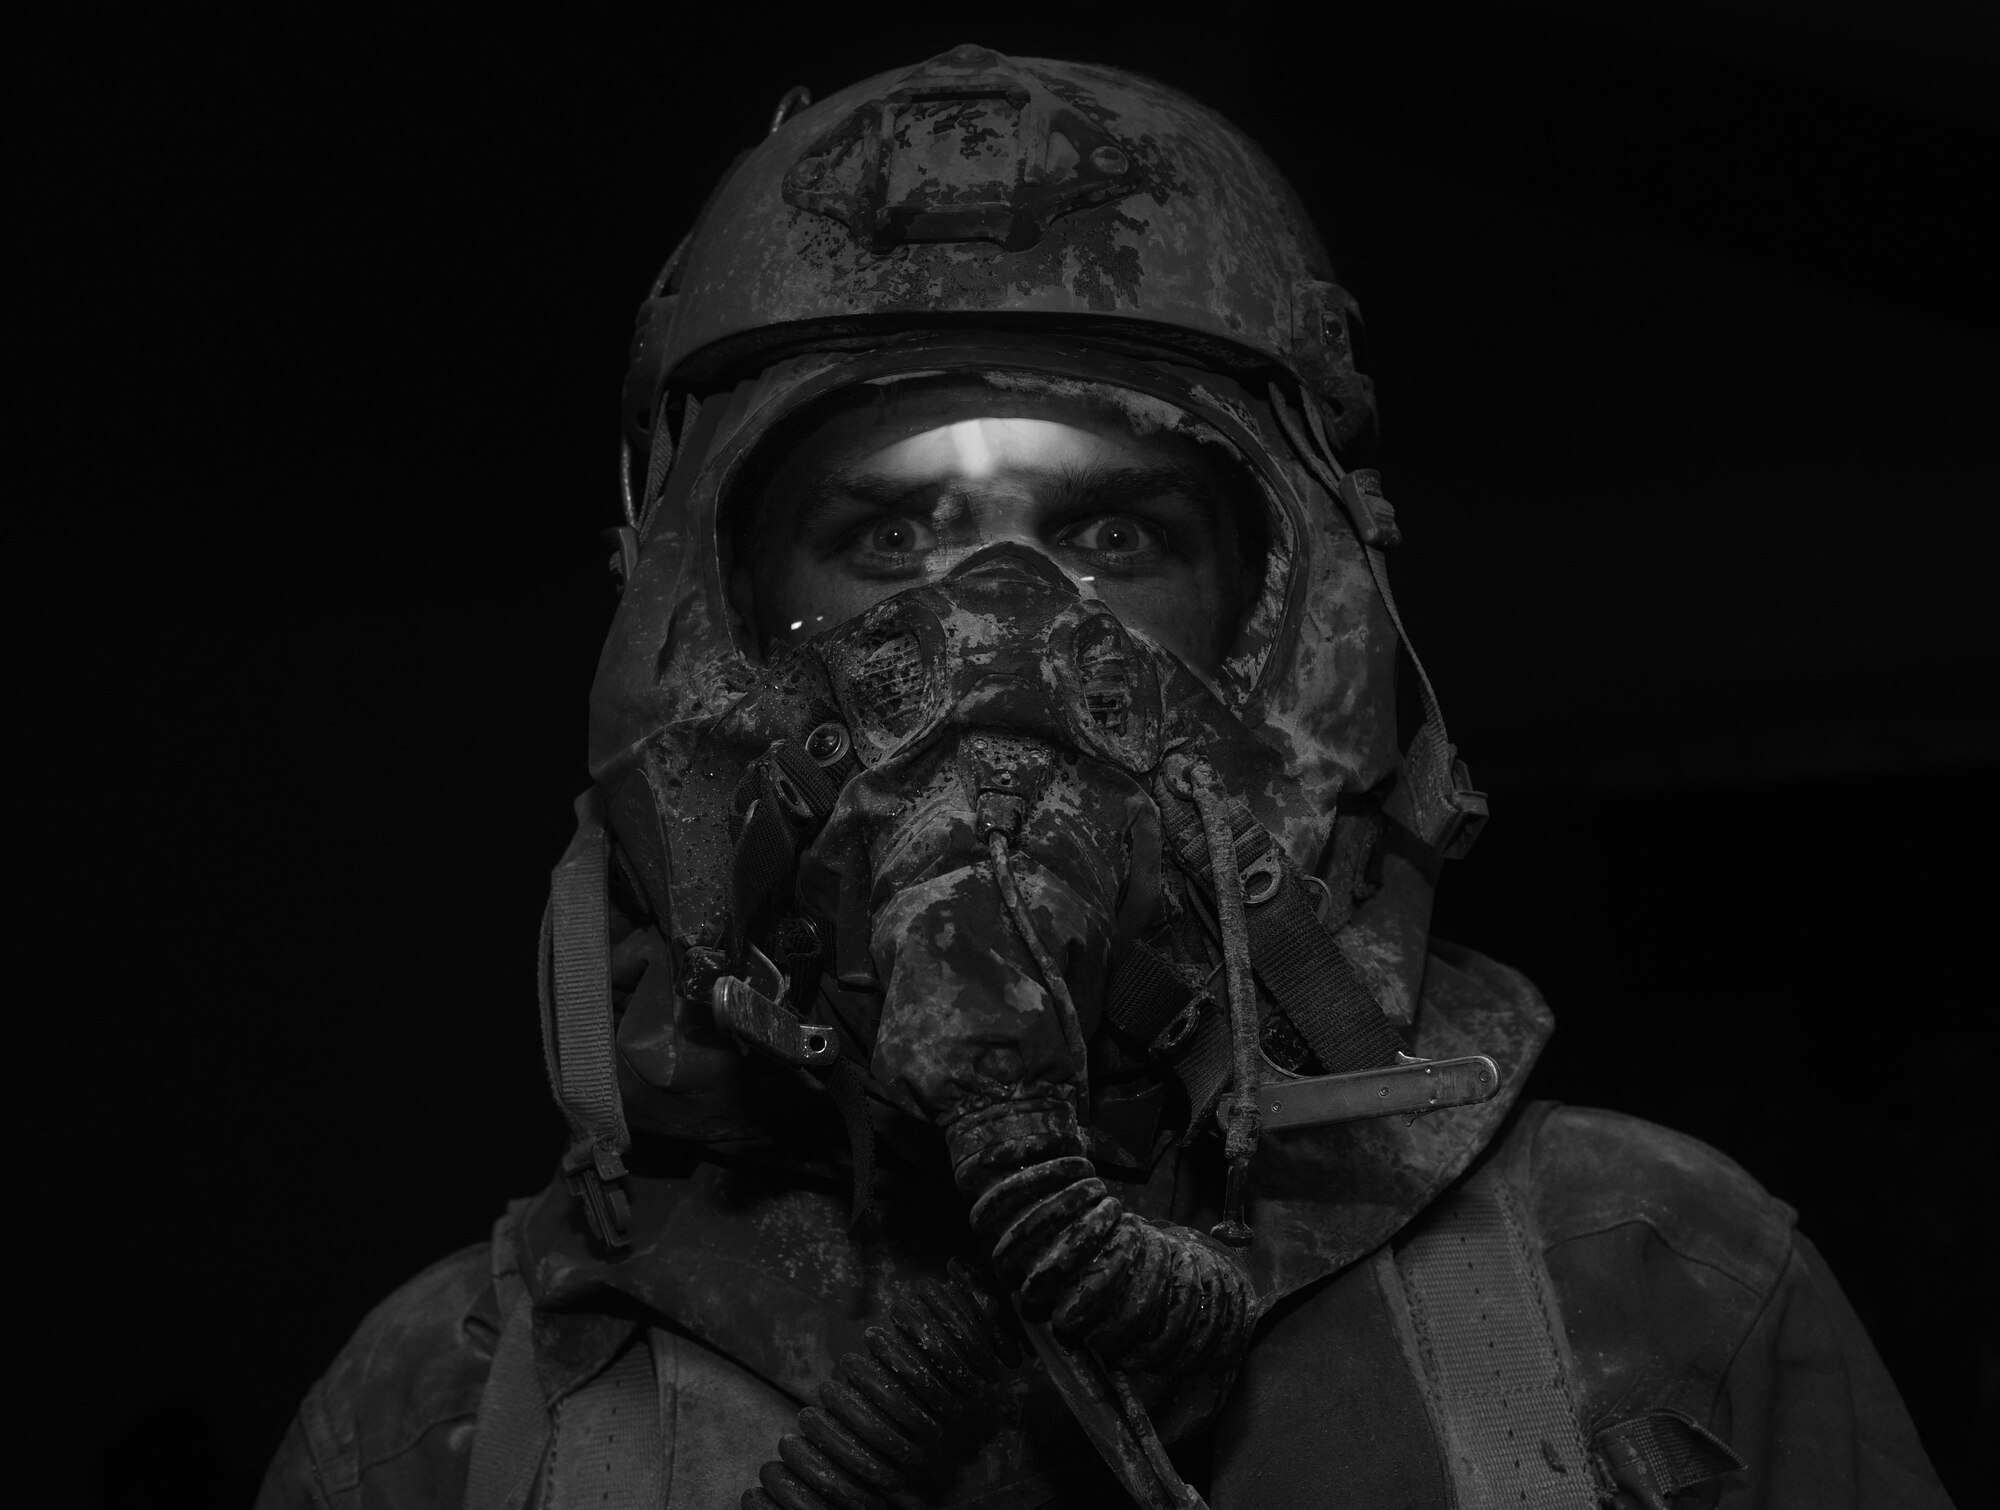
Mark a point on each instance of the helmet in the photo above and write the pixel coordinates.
(976, 189)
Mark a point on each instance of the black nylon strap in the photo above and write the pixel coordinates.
(1205, 1069)
(1663, 1452)
(803, 945)
(1148, 996)
(1315, 984)
(635, 820)
(784, 796)
(765, 850)
(813, 783)
(844, 1085)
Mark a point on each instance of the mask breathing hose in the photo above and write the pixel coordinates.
(882, 1418)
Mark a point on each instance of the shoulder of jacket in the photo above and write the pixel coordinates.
(1592, 1171)
(1490, 972)
(417, 1362)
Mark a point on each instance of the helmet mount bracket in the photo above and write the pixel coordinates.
(991, 157)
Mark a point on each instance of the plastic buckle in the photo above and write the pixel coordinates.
(1373, 516)
(701, 967)
(1467, 817)
(596, 1177)
(1447, 823)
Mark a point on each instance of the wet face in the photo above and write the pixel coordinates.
(893, 492)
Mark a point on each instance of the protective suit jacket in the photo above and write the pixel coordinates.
(1706, 1352)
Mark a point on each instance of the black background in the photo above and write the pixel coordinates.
(1684, 328)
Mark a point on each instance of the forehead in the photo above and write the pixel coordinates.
(973, 449)
(971, 426)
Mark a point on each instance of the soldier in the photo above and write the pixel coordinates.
(990, 989)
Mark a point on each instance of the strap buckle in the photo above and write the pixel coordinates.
(596, 1177)
(1372, 515)
(1441, 807)
(1662, 1452)
(762, 1021)
(1467, 816)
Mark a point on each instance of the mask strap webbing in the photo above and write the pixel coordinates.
(1435, 800)
(574, 984)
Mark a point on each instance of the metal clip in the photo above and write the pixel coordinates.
(769, 1026)
(1174, 1038)
(1261, 877)
(1416, 1087)
(625, 561)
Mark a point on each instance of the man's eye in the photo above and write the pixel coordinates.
(897, 536)
(1115, 534)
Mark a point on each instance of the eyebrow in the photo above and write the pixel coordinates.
(1075, 488)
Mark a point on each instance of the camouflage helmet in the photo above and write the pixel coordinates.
(979, 188)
